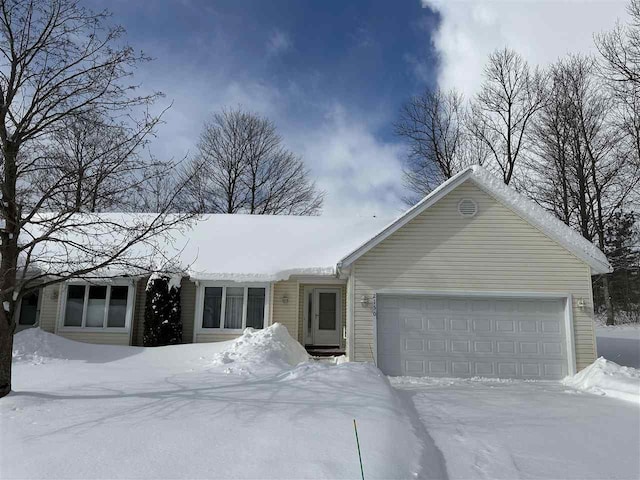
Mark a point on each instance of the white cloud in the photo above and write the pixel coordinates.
(361, 174)
(541, 31)
(278, 42)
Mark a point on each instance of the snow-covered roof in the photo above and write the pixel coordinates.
(271, 247)
(264, 248)
(522, 206)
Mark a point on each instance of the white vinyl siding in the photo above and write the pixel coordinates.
(286, 313)
(496, 250)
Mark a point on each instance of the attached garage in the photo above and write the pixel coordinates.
(467, 336)
(474, 280)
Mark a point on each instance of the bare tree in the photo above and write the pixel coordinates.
(58, 62)
(434, 126)
(502, 112)
(97, 161)
(620, 49)
(243, 168)
(583, 170)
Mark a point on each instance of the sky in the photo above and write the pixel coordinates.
(333, 75)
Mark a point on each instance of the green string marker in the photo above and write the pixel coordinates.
(355, 427)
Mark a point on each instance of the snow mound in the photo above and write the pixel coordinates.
(604, 377)
(272, 346)
(34, 345)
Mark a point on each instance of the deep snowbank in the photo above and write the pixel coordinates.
(134, 412)
(604, 377)
(269, 347)
(36, 346)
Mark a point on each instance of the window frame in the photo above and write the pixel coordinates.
(83, 328)
(38, 308)
(199, 313)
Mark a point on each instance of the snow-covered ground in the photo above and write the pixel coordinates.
(254, 408)
(517, 429)
(620, 344)
(258, 407)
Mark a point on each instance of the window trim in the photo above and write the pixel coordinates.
(83, 328)
(199, 313)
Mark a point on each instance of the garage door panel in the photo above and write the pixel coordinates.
(438, 336)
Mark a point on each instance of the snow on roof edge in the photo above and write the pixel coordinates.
(529, 210)
(261, 277)
(542, 219)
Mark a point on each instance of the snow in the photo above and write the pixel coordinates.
(522, 430)
(604, 377)
(241, 248)
(270, 248)
(174, 279)
(100, 411)
(538, 216)
(526, 208)
(620, 344)
(260, 349)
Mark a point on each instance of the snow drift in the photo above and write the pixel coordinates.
(604, 377)
(36, 346)
(272, 346)
(136, 412)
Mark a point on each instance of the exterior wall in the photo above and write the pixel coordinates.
(49, 307)
(494, 251)
(107, 338)
(138, 313)
(187, 308)
(285, 313)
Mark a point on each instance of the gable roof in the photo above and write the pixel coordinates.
(522, 206)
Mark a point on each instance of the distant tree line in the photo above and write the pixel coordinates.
(568, 136)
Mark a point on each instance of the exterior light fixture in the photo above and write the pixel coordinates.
(285, 299)
(365, 301)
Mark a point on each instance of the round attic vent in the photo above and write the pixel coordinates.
(467, 207)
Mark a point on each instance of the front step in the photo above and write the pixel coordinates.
(324, 351)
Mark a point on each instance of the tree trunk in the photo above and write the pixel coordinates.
(8, 263)
(6, 349)
(607, 300)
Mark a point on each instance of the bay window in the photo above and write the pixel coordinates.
(97, 306)
(234, 307)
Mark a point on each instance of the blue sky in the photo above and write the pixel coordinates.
(332, 75)
(320, 70)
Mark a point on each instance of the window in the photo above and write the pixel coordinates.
(96, 306)
(212, 307)
(234, 307)
(29, 309)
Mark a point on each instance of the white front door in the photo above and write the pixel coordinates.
(326, 318)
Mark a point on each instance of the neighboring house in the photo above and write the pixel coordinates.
(475, 280)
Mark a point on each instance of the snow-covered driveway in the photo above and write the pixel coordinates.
(517, 429)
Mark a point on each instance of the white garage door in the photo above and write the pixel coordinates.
(467, 337)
